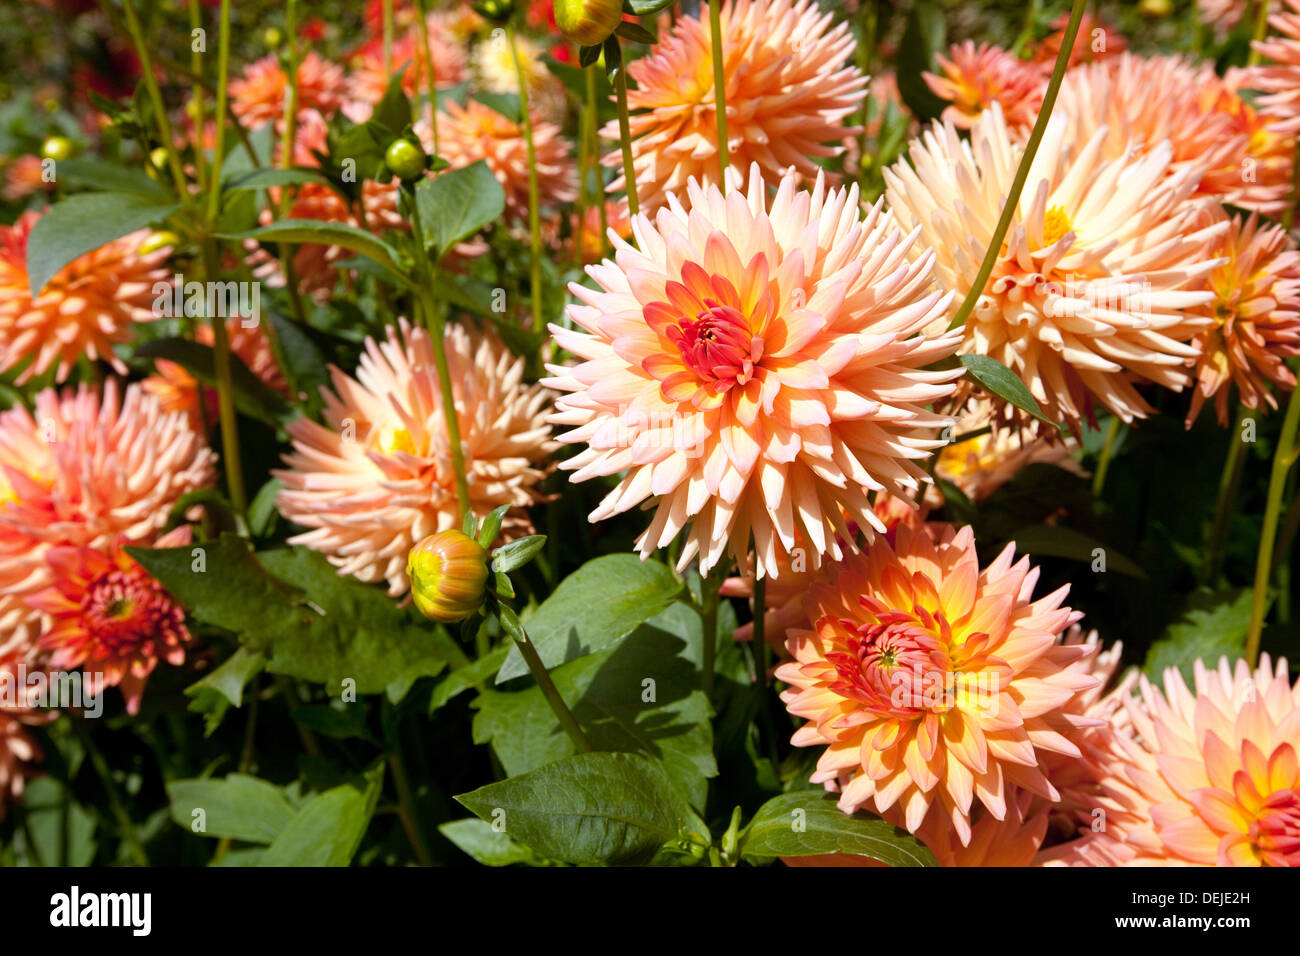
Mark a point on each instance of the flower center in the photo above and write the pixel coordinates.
(392, 440)
(1056, 223)
(894, 667)
(1276, 831)
(717, 346)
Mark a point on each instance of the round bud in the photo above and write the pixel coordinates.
(1158, 9)
(57, 148)
(588, 22)
(273, 37)
(158, 156)
(158, 240)
(405, 159)
(448, 573)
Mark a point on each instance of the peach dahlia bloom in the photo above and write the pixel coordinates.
(932, 682)
(495, 67)
(1215, 767)
(83, 469)
(368, 81)
(84, 310)
(25, 175)
(973, 77)
(258, 96)
(1095, 41)
(753, 365)
(1098, 276)
(377, 477)
(1223, 15)
(1280, 80)
(108, 616)
(1256, 320)
(788, 93)
(474, 131)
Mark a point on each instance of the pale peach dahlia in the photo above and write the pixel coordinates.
(377, 477)
(973, 77)
(84, 310)
(788, 92)
(755, 366)
(1280, 80)
(1215, 767)
(1099, 275)
(932, 682)
(1256, 320)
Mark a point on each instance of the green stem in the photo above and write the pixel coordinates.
(155, 98)
(719, 91)
(388, 38)
(114, 798)
(1261, 28)
(709, 631)
(625, 138)
(430, 78)
(405, 795)
(1283, 458)
(230, 451)
(551, 693)
(1103, 460)
(290, 100)
(1022, 172)
(245, 755)
(196, 64)
(1229, 482)
(534, 190)
(1021, 46)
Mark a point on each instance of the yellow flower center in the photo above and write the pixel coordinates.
(393, 440)
(1056, 223)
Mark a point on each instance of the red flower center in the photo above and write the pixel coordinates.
(124, 609)
(894, 667)
(1276, 831)
(717, 346)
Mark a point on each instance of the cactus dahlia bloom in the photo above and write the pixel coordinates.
(84, 469)
(788, 92)
(85, 309)
(258, 96)
(495, 66)
(377, 477)
(1214, 768)
(1093, 285)
(109, 616)
(474, 131)
(933, 683)
(1280, 80)
(973, 77)
(754, 366)
(1095, 41)
(1256, 313)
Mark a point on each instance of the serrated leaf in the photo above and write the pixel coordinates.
(328, 829)
(1213, 624)
(476, 838)
(808, 823)
(594, 607)
(995, 377)
(618, 809)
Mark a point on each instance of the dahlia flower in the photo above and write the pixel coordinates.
(474, 131)
(1094, 283)
(1094, 41)
(1223, 15)
(1280, 80)
(755, 367)
(258, 96)
(377, 477)
(84, 310)
(107, 615)
(788, 91)
(1256, 320)
(932, 682)
(1215, 769)
(83, 470)
(973, 77)
(495, 67)
(369, 80)
(25, 175)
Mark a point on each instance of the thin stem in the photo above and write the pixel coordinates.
(625, 138)
(1229, 482)
(1283, 458)
(405, 795)
(388, 38)
(1103, 460)
(114, 798)
(245, 755)
(709, 632)
(1261, 28)
(1022, 172)
(230, 452)
(430, 78)
(290, 100)
(551, 693)
(534, 189)
(197, 115)
(155, 97)
(719, 91)
(219, 145)
(1027, 31)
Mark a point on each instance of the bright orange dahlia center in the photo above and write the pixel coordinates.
(717, 346)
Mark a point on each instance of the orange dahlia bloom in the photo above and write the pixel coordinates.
(1095, 41)
(932, 682)
(753, 365)
(377, 477)
(1280, 80)
(24, 176)
(973, 77)
(83, 469)
(1256, 320)
(474, 131)
(107, 615)
(788, 91)
(369, 80)
(86, 309)
(258, 96)
(1215, 768)
(1099, 275)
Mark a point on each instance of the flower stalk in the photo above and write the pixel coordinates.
(625, 137)
(719, 90)
(534, 189)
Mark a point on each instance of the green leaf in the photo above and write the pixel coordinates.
(635, 33)
(641, 696)
(476, 838)
(239, 807)
(643, 7)
(463, 678)
(101, 176)
(264, 178)
(458, 203)
(618, 809)
(593, 607)
(328, 829)
(61, 830)
(925, 35)
(807, 823)
(83, 223)
(261, 510)
(574, 79)
(995, 377)
(338, 720)
(517, 553)
(224, 687)
(393, 112)
(1061, 542)
(507, 104)
(327, 234)
(252, 397)
(1213, 624)
(491, 527)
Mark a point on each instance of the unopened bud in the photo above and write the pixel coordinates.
(448, 573)
(158, 240)
(57, 148)
(588, 22)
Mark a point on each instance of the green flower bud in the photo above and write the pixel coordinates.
(57, 148)
(588, 22)
(273, 37)
(158, 240)
(405, 159)
(448, 573)
(498, 11)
